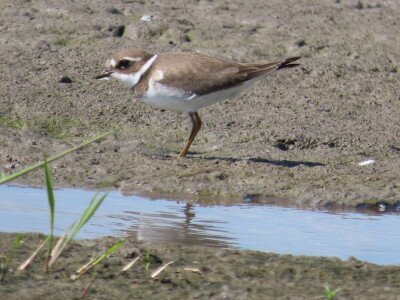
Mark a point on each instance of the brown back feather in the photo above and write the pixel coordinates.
(202, 74)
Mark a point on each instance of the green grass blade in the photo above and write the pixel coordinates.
(89, 211)
(109, 251)
(87, 208)
(51, 199)
(16, 243)
(147, 261)
(330, 294)
(52, 158)
(94, 261)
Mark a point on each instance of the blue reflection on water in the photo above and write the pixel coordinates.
(266, 228)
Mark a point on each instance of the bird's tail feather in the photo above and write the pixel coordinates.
(288, 63)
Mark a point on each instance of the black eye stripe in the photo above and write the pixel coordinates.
(123, 64)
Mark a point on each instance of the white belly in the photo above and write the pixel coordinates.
(164, 97)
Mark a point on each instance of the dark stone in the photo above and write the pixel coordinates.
(42, 45)
(166, 281)
(119, 31)
(248, 198)
(360, 5)
(301, 43)
(114, 11)
(285, 144)
(221, 176)
(65, 80)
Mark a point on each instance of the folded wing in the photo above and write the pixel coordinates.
(200, 74)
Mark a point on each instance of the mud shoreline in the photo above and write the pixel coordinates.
(299, 135)
(225, 273)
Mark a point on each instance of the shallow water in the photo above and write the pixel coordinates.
(257, 227)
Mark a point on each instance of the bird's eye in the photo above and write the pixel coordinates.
(123, 64)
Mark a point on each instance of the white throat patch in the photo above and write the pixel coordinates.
(132, 79)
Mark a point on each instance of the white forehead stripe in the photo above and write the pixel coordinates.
(132, 58)
(113, 63)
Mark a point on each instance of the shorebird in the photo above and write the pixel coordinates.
(186, 82)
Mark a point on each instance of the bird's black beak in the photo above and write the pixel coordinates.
(107, 73)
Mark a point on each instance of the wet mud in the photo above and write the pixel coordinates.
(297, 135)
(197, 273)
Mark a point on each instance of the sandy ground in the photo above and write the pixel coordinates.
(225, 274)
(295, 138)
(299, 134)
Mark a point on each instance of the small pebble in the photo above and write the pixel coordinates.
(114, 11)
(146, 18)
(65, 80)
(119, 31)
(42, 45)
(360, 5)
(301, 43)
(366, 162)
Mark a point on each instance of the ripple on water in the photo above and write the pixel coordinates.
(257, 227)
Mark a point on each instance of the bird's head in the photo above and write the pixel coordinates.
(128, 66)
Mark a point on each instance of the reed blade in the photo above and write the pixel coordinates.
(51, 199)
(40, 164)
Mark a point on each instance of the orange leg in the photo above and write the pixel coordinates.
(196, 125)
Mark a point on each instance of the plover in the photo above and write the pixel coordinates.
(186, 82)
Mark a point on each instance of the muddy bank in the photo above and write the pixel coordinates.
(228, 274)
(297, 135)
